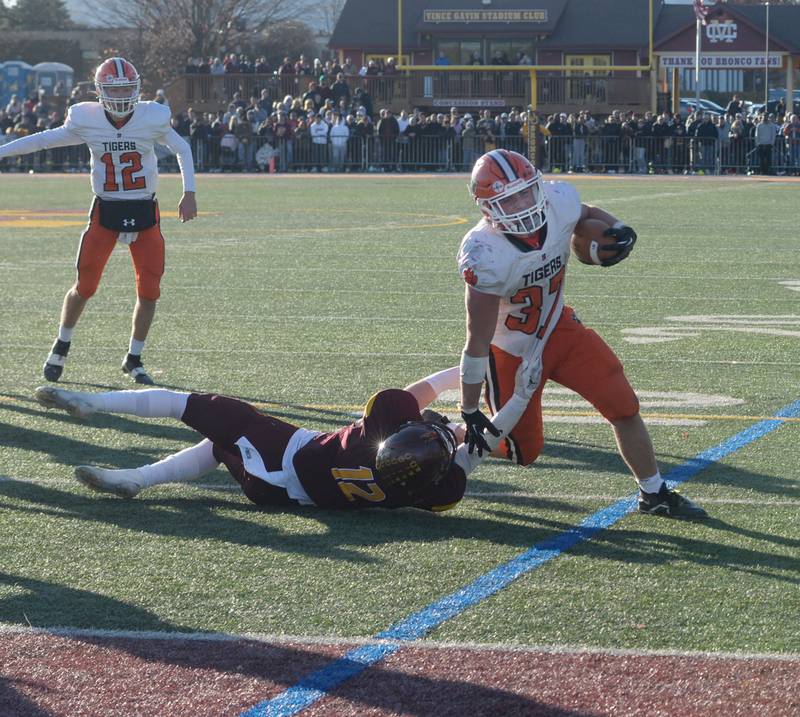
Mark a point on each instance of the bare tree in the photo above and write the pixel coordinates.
(167, 32)
(328, 12)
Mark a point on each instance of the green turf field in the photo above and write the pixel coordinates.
(306, 294)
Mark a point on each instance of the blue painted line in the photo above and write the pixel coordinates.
(315, 686)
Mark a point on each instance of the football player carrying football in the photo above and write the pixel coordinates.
(120, 132)
(392, 457)
(513, 263)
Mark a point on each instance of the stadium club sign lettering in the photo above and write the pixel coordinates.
(466, 16)
(719, 61)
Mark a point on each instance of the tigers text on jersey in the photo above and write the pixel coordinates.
(123, 159)
(531, 283)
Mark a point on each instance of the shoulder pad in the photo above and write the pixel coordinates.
(479, 262)
(84, 113)
(564, 199)
(156, 113)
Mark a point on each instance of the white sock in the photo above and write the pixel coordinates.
(136, 347)
(147, 403)
(447, 380)
(185, 465)
(65, 334)
(652, 484)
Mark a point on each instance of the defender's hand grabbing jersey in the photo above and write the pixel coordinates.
(534, 320)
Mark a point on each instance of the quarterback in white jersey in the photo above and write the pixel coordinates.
(121, 134)
(520, 333)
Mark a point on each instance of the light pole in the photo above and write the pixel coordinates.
(766, 62)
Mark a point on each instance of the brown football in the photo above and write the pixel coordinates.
(588, 241)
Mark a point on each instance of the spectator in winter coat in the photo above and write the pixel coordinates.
(339, 135)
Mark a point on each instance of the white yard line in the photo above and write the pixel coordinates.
(321, 640)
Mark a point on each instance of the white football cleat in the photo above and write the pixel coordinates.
(71, 401)
(125, 483)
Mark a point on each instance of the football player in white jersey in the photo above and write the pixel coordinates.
(121, 133)
(519, 329)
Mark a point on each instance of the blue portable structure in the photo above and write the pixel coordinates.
(16, 78)
(49, 74)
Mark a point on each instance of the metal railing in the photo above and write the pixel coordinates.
(594, 154)
(406, 90)
(669, 155)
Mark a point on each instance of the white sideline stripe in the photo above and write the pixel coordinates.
(450, 356)
(9, 629)
(230, 487)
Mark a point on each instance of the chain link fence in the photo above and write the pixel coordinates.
(592, 154)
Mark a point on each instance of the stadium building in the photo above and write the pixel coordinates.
(590, 51)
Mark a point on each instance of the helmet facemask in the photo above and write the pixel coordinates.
(519, 208)
(119, 96)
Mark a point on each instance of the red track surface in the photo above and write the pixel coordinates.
(81, 675)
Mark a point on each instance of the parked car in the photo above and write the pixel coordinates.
(772, 108)
(687, 105)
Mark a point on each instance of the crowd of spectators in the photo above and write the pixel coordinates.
(328, 129)
(700, 143)
(334, 125)
(235, 64)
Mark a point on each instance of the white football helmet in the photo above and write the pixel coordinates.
(118, 86)
(508, 189)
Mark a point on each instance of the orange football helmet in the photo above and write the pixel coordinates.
(118, 86)
(508, 189)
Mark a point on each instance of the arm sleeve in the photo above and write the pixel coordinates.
(180, 147)
(58, 137)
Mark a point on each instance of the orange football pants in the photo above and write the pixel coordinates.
(575, 357)
(97, 243)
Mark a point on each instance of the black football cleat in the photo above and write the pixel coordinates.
(670, 504)
(54, 366)
(132, 365)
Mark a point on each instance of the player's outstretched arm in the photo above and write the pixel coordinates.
(187, 209)
(58, 137)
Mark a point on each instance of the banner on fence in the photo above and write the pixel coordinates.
(722, 61)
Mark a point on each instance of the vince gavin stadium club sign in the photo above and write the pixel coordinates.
(485, 16)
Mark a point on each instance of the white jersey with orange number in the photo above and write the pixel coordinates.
(123, 159)
(531, 283)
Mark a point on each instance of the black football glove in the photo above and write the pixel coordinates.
(625, 237)
(476, 422)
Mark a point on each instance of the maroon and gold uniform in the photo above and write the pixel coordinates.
(278, 463)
